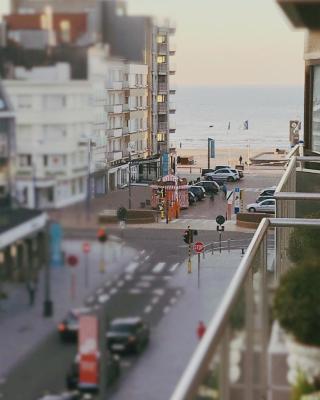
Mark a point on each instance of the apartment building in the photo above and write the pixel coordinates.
(7, 149)
(53, 117)
(33, 6)
(121, 117)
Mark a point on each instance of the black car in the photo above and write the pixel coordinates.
(198, 191)
(210, 178)
(68, 328)
(209, 186)
(112, 368)
(127, 335)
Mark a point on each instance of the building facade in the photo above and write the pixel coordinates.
(53, 126)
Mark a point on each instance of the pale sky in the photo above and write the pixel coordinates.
(227, 42)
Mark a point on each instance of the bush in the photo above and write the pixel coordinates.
(297, 303)
(302, 387)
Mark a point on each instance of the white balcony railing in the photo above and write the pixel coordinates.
(163, 68)
(162, 87)
(162, 108)
(114, 108)
(162, 127)
(162, 48)
(114, 155)
(114, 132)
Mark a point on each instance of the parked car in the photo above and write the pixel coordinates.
(204, 171)
(220, 182)
(225, 174)
(192, 198)
(112, 369)
(267, 206)
(198, 191)
(260, 199)
(63, 396)
(267, 193)
(209, 186)
(69, 326)
(127, 335)
(238, 171)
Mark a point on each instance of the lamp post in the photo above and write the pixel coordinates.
(129, 184)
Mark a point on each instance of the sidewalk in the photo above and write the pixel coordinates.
(23, 327)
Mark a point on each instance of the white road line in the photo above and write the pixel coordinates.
(159, 267)
(103, 298)
(155, 300)
(167, 277)
(174, 267)
(148, 309)
(143, 284)
(113, 290)
(132, 267)
(147, 258)
(142, 252)
(135, 291)
(173, 300)
(120, 284)
(148, 277)
(128, 277)
(99, 291)
(166, 310)
(107, 284)
(159, 292)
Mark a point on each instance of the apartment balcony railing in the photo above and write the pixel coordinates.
(172, 108)
(172, 49)
(163, 49)
(114, 132)
(117, 85)
(172, 69)
(163, 69)
(163, 87)
(162, 108)
(163, 127)
(239, 357)
(114, 155)
(172, 90)
(114, 108)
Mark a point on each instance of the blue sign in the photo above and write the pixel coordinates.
(212, 148)
(236, 200)
(165, 164)
(56, 234)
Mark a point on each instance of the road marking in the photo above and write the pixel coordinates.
(90, 299)
(142, 252)
(128, 277)
(120, 284)
(155, 300)
(148, 277)
(107, 284)
(167, 277)
(178, 292)
(103, 298)
(148, 309)
(159, 267)
(147, 258)
(174, 221)
(174, 267)
(166, 310)
(113, 290)
(143, 284)
(136, 257)
(173, 300)
(135, 291)
(159, 292)
(99, 291)
(132, 267)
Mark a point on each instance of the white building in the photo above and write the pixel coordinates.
(121, 117)
(54, 118)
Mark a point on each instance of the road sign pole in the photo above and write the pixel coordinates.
(198, 270)
(189, 260)
(86, 270)
(102, 259)
(220, 240)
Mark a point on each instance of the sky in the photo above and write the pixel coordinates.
(229, 42)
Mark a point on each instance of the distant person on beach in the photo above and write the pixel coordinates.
(180, 145)
(240, 160)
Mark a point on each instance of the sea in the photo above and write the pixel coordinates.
(221, 113)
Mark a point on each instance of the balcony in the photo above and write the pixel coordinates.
(162, 108)
(114, 155)
(172, 108)
(163, 127)
(302, 13)
(162, 49)
(114, 108)
(117, 85)
(243, 354)
(163, 69)
(172, 69)
(162, 88)
(172, 91)
(172, 49)
(114, 132)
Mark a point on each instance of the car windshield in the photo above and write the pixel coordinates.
(123, 328)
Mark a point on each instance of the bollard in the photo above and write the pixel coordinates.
(242, 251)
(228, 245)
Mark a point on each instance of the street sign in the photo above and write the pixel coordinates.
(72, 261)
(220, 219)
(198, 247)
(86, 247)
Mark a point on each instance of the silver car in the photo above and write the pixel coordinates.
(267, 206)
(225, 173)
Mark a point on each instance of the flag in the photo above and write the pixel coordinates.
(229, 126)
(246, 125)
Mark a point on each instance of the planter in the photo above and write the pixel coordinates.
(302, 359)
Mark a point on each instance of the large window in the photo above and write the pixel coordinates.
(316, 109)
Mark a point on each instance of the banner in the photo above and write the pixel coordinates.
(212, 148)
(165, 164)
(88, 351)
(55, 235)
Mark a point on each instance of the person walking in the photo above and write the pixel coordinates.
(31, 287)
(240, 160)
(201, 329)
(225, 190)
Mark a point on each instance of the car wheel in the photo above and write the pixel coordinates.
(252, 209)
(230, 179)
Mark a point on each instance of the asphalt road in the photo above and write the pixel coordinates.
(147, 286)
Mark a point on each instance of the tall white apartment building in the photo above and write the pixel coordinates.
(121, 117)
(163, 69)
(53, 122)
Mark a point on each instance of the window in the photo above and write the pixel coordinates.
(161, 59)
(55, 102)
(3, 146)
(65, 31)
(24, 102)
(45, 160)
(161, 39)
(161, 98)
(73, 187)
(25, 160)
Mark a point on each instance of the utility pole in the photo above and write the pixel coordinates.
(47, 304)
(129, 184)
(189, 249)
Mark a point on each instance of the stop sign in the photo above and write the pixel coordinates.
(86, 247)
(198, 247)
(72, 261)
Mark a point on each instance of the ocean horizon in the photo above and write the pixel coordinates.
(268, 110)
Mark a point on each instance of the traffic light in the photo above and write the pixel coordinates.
(102, 235)
(186, 236)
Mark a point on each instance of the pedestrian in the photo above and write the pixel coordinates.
(201, 329)
(180, 145)
(240, 160)
(31, 287)
(225, 190)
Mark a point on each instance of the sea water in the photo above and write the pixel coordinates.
(268, 111)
